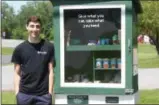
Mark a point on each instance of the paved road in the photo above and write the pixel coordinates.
(6, 59)
(11, 42)
(7, 77)
(148, 78)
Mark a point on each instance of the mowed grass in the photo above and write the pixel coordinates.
(8, 97)
(147, 56)
(7, 50)
(146, 97)
(149, 97)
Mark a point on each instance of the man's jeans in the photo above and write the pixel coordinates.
(25, 99)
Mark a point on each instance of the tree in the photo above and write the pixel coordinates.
(148, 21)
(42, 9)
(8, 16)
(15, 23)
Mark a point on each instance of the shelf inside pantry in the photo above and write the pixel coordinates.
(93, 47)
(106, 69)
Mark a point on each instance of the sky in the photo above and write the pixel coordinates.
(16, 4)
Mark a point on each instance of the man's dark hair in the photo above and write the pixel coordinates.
(33, 19)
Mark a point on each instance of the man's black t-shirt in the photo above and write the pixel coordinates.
(34, 59)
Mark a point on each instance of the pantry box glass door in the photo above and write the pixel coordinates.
(92, 46)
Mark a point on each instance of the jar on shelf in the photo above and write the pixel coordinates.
(119, 63)
(113, 63)
(102, 41)
(98, 63)
(107, 41)
(106, 63)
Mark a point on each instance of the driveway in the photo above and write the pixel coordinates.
(6, 59)
(7, 77)
(148, 78)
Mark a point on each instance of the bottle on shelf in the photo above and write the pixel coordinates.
(119, 63)
(98, 63)
(106, 63)
(113, 63)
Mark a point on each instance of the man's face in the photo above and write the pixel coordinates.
(34, 29)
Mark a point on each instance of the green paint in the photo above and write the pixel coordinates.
(74, 2)
(93, 48)
(129, 68)
(57, 47)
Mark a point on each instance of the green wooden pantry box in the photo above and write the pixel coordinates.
(96, 51)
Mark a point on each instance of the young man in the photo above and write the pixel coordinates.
(33, 63)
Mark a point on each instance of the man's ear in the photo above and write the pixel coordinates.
(26, 26)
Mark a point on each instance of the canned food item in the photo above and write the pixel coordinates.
(102, 41)
(106, 63)
(113, 63)
(98, 63)
(106, 41)
(119, 63)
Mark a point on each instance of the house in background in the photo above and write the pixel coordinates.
(143, 39)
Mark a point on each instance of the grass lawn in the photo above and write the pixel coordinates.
(7, 50)
(146, 97)
(8, 97)
(149, 97)
(147, 56)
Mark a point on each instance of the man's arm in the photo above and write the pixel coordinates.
(16, 78)
(51, 77)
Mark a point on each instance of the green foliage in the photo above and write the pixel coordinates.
(51, 32)
(16, 23)
(8, 17)
(19, 33)
(148, 20)
(42, 9)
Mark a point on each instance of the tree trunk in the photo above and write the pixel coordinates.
(157, 40)
(152, 40)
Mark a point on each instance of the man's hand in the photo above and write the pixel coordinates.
(51, 77)
(16, 78)
(16, 92)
